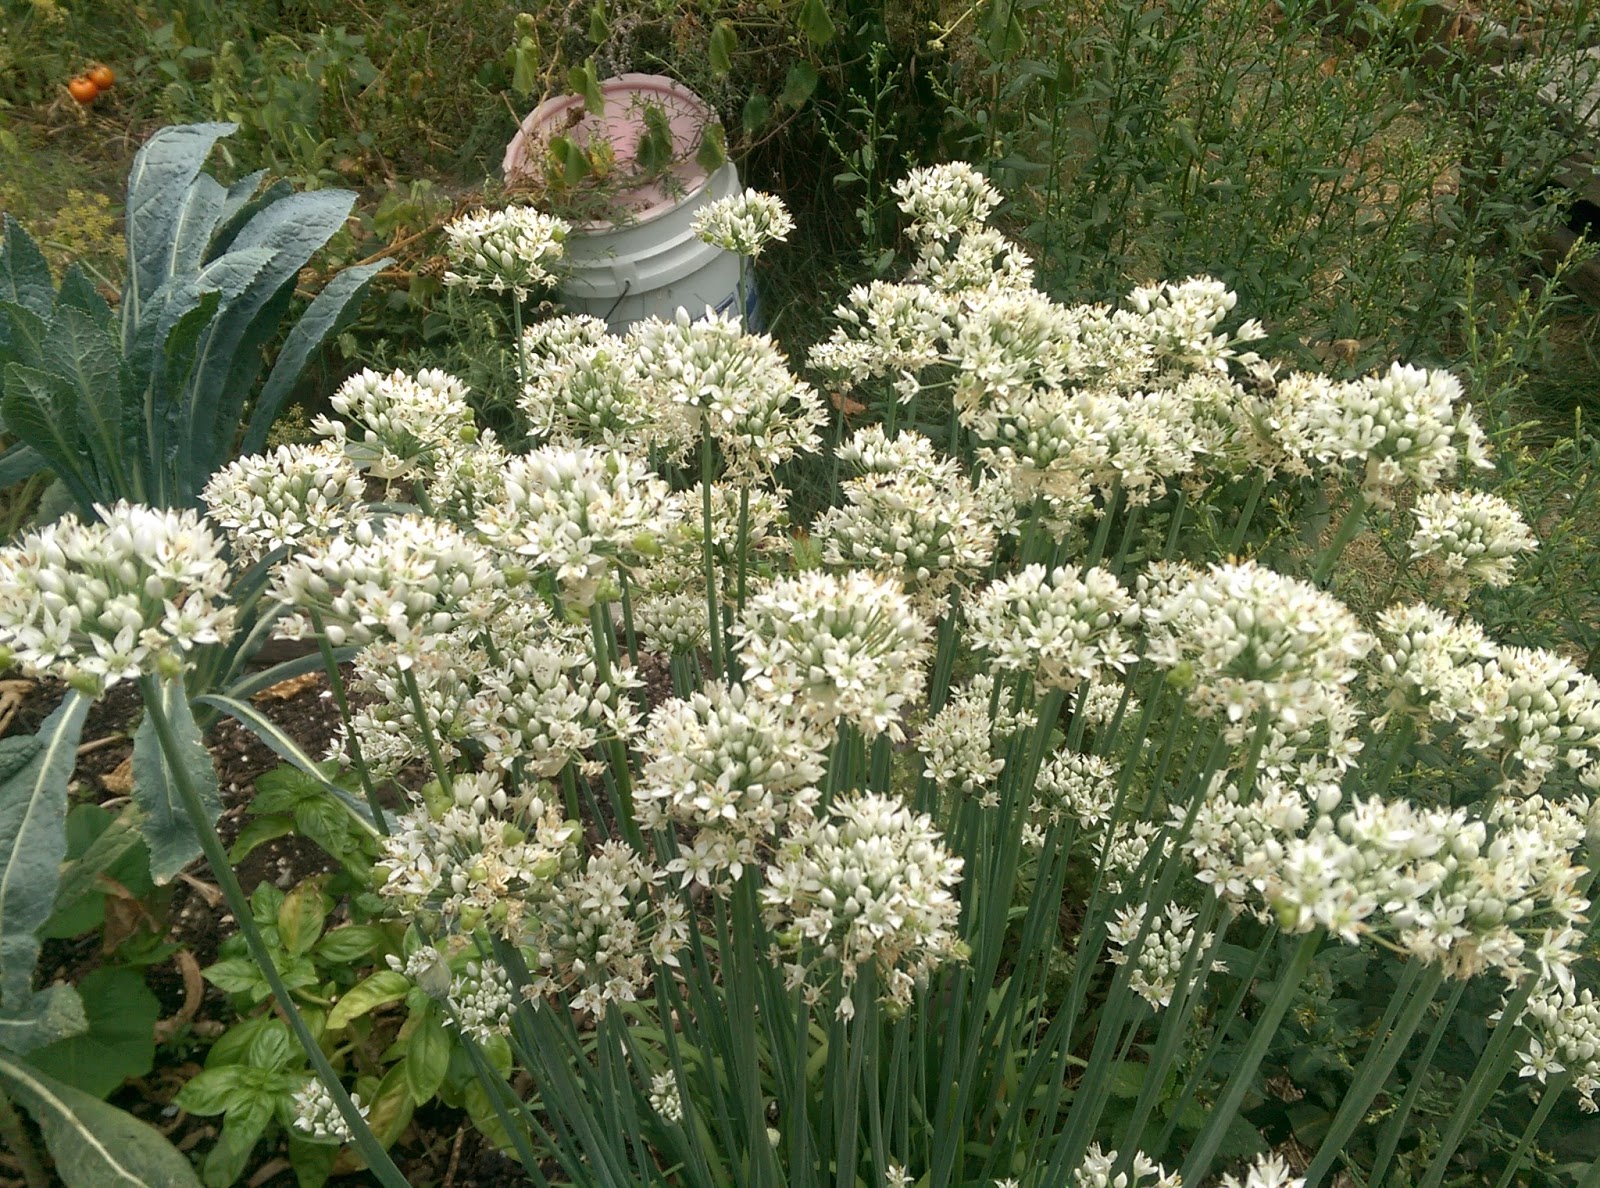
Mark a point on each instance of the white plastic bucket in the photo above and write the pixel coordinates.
(651, 263)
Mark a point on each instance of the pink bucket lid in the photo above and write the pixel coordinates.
(622, 124)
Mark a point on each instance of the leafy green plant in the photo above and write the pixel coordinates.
(148, 402)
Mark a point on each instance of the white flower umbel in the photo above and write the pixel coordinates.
(1098, 1170)
(731, 769)
(850, 647)
(482, 859)
(942, 201)
(1160, 960)
(481, 1001)
(871, 886)
(1077, 787)
(1401, 425)
(582, 514)
(98, 603)
(979, 259)
(958, 745)
(1245, 641)
(603, 929)
(396, 420)
(418, 580)
(1476, 536)
(743, 223)
(1535, 712)
(886, 329)
(1430, 666)
(1063, 627)
(582, 386)
(1563, 1035)
(735, 386)
(1181, 322)
(665, 1099)
(295, 494)
(1268, 1171)
(317, 1118)
(921, 524)
(513, 250)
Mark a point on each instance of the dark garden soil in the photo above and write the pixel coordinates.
(440, 1147)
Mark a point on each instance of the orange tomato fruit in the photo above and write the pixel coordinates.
(101, 77)
(83, 89)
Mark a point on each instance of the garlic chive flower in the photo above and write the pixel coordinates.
(603, 929)
(731, 769)
(920, 523)
(1157, 964)
(1430, 666)
(293, 495)
(1405, 424)
(1476, 536)
(1098, 1170)
(417, 580)
(1243, 640)
(1063, 628)
(481, 1001)
(743, 223)
(1267, 1171)
(101, 602)
(944, 200)
(735, 386)
(886, 329)
(848, 648)
(395, 421)
(317, 1119)
(1563, 1036)
(515, 249)
(665, 1099)
(479, 859)
(582, 387)
(583, 514)
(871, 886)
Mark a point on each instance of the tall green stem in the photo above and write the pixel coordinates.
(435, 756)
(342, 700)
(1348, 527)
(366, 1142)
(713, 621)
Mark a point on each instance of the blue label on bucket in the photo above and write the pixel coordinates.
(752, 308)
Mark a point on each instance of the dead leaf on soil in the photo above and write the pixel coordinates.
(292, 687)
(119, 780)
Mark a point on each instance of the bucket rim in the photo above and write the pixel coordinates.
(537, 125)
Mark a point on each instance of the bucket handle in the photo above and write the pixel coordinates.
(622, 296)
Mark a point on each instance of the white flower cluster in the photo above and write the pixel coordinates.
(886, 329)
(958, 743)
(514, 250)
(1403, 424)
(1535, 712)
(295, 495)
(1181, 322)
(1063, 628)
(1563, 1026)
(1475, 535)
(419, 580)
(602, 929)
(871, 886)
(582, 386)
(484, 859)
(1247, 641)
(98, 603)
(1077, 787)
(1430, 666)
(402, 419)
(480, 1001)
(921, 524)
(1159, 961)
(850, 647)
(737, 387)
(944, 200)
(317, 1118)
(743, 223)
(1467, 893)
(1267, 1171)
(584, 514)
(732, 769)
(665, 1099)
(1099, 1170)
